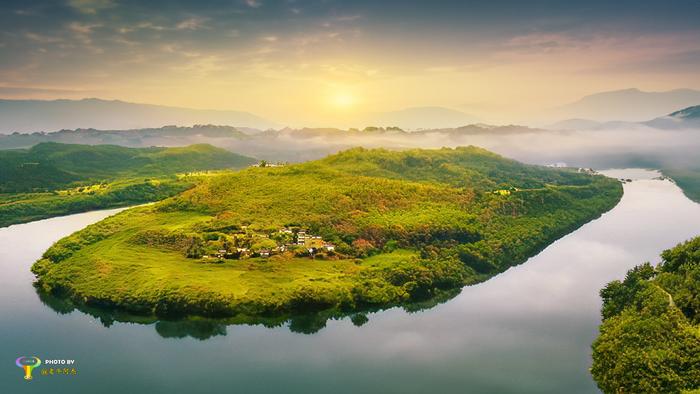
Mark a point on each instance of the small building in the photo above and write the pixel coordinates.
(301, 238)
(265, 253)
(329, 247)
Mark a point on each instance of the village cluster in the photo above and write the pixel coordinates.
(248, 243)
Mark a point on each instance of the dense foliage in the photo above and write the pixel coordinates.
(56, 179)
(406, 225)
(51, 166)
(650, 336)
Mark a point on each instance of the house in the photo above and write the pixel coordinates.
(557, 165)
(329, 247)
(301, 238)
(265, 253)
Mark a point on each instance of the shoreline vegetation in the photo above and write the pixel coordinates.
(52, 179)
(388, 228)
(688, 179)
(649, 339)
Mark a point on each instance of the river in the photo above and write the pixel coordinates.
(526, 330)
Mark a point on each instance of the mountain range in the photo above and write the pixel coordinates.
(630, 105)
(614, 109)
(26, 116)
(29, 116)
(687, 118)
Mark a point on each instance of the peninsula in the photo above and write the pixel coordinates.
(358, 230)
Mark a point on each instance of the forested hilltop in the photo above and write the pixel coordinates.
(649, 340)
(357, 230)
(53, 179)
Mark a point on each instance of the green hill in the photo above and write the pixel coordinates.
(49, 166)
(649, 340)
(360, 229)
(687, 113)
(52, 179)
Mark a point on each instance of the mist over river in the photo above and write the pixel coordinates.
(526, 330)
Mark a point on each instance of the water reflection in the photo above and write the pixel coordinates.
(205, 328)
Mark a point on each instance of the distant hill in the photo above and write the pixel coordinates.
(49, 166)
(685, 118)
(39, 115)
(287, 144)
(421, 118)
(161, 136)
(481, 129)
(627, 105)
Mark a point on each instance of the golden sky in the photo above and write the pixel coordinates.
(326, 62)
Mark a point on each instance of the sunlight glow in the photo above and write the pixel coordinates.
(343, 100)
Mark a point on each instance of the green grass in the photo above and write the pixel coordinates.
(408, 227)
(53, 179)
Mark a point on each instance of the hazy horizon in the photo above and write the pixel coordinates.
(326, 63)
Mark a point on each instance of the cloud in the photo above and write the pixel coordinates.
(82, 28)
(91, 6)
(253, 3)
(82, 32)
(43, 39)
(191, 24)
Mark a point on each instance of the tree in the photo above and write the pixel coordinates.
(196, 248)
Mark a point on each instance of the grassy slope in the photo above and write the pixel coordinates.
(437, 207)
(56, 179)
(649, 340)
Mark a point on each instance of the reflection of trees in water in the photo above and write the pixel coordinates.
(203, 328)
(200, 329)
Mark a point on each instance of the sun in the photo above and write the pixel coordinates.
(343, 100)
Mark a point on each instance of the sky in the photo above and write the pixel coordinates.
(323, 62)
